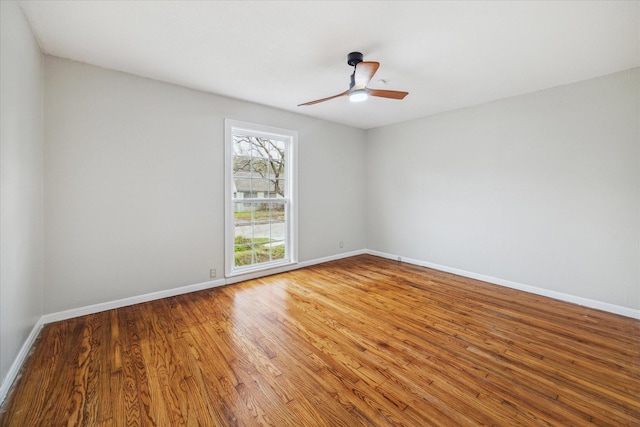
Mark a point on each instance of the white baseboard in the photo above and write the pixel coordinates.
(14, 370)
(124, 302)
(599, 305)
(290, 267)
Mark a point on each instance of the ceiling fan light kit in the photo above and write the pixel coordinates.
(362, 74)
(358, 95)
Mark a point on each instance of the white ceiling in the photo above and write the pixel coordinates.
(447, 55)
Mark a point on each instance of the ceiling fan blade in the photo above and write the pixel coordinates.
(345, 93)
(364, 72)
(393, 94)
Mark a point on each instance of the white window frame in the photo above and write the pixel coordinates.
(291, 195)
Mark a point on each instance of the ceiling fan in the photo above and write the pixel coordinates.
(363, 72)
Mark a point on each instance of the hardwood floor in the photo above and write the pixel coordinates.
(359, 341)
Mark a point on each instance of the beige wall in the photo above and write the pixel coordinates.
(541, 189)
(21, 186)
(134, 187)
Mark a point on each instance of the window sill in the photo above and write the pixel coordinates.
(259, 271)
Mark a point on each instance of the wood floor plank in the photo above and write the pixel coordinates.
(358, 341)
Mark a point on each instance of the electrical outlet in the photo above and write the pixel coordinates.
(212, 273)
(341, 244)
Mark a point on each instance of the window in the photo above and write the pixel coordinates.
(260, 205)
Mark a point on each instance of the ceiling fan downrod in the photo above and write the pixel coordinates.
(353, 59)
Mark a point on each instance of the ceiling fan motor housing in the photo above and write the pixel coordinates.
(354, 58)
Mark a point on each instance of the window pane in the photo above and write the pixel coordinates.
(259, 167)
(243, 255)
(241, 163)
(277, 148)
(279, 187)
(277, 211)
(261, 213)
(242, 214)
(277, 250)
(261, 188)
(273, 188)
(278, 232)
(256, 149)
(241, 146)
(243, 234)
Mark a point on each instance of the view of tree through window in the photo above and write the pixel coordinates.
(259, 199)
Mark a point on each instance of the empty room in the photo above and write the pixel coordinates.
(319, 213)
